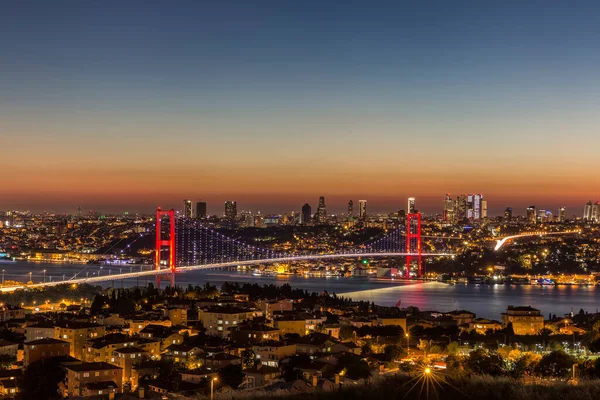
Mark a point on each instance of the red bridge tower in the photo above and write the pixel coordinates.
(413, 231)
(170, 243)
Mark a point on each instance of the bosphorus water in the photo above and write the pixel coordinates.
(487, 301)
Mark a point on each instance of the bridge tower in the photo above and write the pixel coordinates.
(413, 231)
(170, 243)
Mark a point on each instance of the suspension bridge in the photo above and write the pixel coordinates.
(184, 244)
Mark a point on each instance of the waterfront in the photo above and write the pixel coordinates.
(487, 301)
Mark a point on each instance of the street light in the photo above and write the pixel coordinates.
(2, 277)
(44, 276)
(407, 344)
(212, 382)
(427, 376)
(30, 277)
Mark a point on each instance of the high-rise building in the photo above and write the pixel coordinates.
(461, 208)
(306, 213)
(470, 207)
(474, 203)
(231, 210)
(508, 214)
(562, 214)
(187, 209)
(362, 209)
(596, 212)
(411, 205)
(350, 209)
(591, 211)
(321, 211)
(201, 210)
(448, 213)
(531, 215)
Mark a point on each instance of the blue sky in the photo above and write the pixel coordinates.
(291, 100)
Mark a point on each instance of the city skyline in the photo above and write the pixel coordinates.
(138, 104)
(209, 208)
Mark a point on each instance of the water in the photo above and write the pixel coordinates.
(487, 301)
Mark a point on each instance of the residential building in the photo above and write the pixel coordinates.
(42, 349)
(40, 330)
(90, 379)
(127, 358)
(270, 354)
(524, 320)
(77, 334)
(291, 324)
(217, 320)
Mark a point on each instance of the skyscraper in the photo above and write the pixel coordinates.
(201, 210)
(587, 211)
(448, 213)
(362, 209)
(187, 209)
(470, 207)
(411, 205)
(231, 210)
(306, 213)
(596, 212)
(461, 208)
(531, 215)
(562, 214)
(591, 211)
(508, 214)
(350, 208)
(321, 211)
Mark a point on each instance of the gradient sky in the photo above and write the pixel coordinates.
(118, 105)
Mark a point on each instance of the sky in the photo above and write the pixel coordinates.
(128, 105)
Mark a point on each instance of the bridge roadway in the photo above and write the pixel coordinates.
(154, 272)
(501, 242)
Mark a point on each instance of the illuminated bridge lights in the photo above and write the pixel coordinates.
(501, 242)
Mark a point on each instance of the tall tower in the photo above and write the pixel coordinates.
(306, 213)
(231, 210)
(411, 205)
(483, 209)
(362, 209)
(200, 210)
(321, 211)
(187, 209)
(587, 211)
(531, 215)
(448, 214)
(508, 214)
(562, 214)
(350, 209)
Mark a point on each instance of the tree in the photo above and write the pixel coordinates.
(353, 367)
(366, 349)
(41, 380)
(232, 375)
(6, 361)
(557, 363)
(393, 352)
(526, 364)
(346, 332)
(482, 362)
(452, 349)
(248, 358)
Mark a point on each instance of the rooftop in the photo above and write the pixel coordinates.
(44, 341)
(93, 366)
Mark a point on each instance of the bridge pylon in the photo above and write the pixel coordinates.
(413, 231)
(160, 243)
